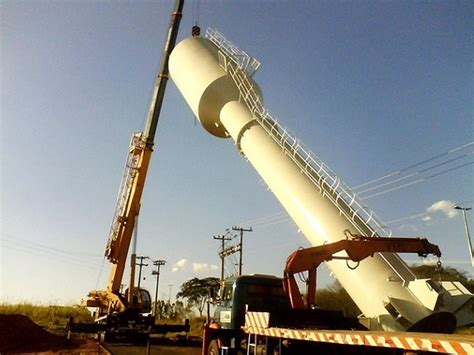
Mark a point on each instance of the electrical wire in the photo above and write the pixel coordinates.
(422, 214)
(265, 219)
(417, 181)
(398, 172)
(415, 173)
(282, 216)
(45, 252)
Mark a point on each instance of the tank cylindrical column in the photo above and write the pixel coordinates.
(316, 216)
(214, 98)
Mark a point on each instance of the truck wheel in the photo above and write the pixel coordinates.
(277, 350)
(213, 348)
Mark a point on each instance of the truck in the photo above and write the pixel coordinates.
(127, 315)
(267, 314)
(254, 316)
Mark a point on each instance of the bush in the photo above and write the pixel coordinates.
(336, 298)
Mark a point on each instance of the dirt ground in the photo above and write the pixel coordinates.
(159, 345)
(20, 335)
(121, 349)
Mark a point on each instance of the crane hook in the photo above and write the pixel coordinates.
(196, 31)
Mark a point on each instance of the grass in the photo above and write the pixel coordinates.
(52, 318)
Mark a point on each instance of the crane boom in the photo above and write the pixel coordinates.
(133, 182)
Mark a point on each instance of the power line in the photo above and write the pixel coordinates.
(282, 216)
(414, 174)
(418, 181)
(45, 254)
(421, 214)
(265, 219)
(78, 254)
(397, 172)
(39, 250)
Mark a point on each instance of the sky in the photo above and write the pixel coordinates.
(372, 87)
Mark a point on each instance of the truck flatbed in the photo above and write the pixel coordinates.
(256, 324)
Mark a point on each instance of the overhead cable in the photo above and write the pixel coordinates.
(397, 172)
(417, 181)
(415, 173)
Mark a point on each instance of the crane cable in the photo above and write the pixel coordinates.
(196, 30)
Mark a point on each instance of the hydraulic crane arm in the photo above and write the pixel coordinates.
(357, 248)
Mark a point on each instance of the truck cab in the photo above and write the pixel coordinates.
(256, 292)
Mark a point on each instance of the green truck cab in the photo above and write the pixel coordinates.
(262, 293)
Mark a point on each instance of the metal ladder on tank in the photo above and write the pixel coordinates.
(240, 68)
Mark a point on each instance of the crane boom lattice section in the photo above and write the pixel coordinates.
(137, 145)
(234, 62)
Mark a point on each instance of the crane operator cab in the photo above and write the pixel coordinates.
(141, 300)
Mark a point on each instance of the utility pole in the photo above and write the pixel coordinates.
(169, 295)
(222, 238)
(241, 244)
(468, 234)
(140, 265)
(158, 264)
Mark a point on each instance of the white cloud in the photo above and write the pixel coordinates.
(180, 265)
(198, 267)
(444, 206)
(429, 261)
(426, 219)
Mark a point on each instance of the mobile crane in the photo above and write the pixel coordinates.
(116, 312)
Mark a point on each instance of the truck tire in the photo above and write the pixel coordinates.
(213, 348)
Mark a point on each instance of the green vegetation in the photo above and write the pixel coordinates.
(52, 318)
(198, 291)
(335, 298)
(445, 273)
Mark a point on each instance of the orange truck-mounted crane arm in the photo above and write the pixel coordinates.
(357, 248)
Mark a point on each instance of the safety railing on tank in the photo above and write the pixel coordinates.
(328, 183)
(244, 61)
